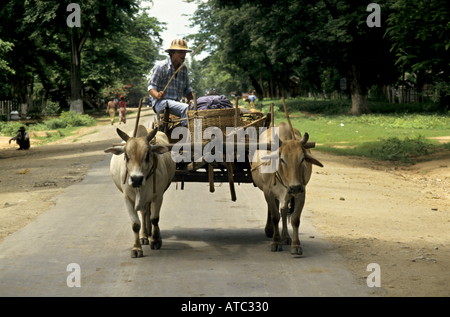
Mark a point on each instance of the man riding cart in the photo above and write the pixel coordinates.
(168, 84)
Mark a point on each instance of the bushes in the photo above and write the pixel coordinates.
(343, 106)
(10, 128)
(54, 124)
(386, 107)
(52, 108)
(67, 120)
(394, 149)
(327, 107)
(73, 119)
(406, 121)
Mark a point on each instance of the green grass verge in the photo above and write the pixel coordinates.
(399, 136)
(64, 126)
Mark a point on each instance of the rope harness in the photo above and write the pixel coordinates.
(276, 175)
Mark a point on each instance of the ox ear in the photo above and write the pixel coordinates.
(122, 135)
(159, 149)
(151, 134)
(311, 159)
(116, 150)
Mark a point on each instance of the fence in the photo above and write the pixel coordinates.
(6, 107)
(403, 94)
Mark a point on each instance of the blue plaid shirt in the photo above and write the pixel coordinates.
(160, 76)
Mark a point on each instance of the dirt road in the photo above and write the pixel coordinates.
(215, 247)
(373, 212)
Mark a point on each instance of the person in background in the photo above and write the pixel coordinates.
(112, 106)
(122, 111)
(22, 139)
(252, 99)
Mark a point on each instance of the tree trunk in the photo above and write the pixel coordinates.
(262, 86)
(47, 86)
(22, 84)
(44, 101)
(23, 110)
(259, 90)
(76, 45)
(76, 103)
(420, 82)
(271, 86)
(358, 92)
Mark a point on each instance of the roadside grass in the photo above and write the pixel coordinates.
(54, 128)
(401, 137)
(395, 132)
(53, 136)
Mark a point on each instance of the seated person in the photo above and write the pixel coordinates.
(179, 86)
(22, 139)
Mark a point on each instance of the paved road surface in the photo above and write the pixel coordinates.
(211, 247)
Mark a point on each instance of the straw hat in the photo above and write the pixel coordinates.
(179, 45)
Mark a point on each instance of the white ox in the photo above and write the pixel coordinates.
(143, 172)
(285, 188)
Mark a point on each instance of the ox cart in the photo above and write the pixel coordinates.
(234, 163)
(220, 151)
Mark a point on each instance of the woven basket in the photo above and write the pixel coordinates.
(221, 118)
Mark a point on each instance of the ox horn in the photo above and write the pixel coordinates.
(304, 139)
(151, 134)
(122, 135)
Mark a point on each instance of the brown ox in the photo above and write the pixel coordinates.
(285, 188)
(143, 172)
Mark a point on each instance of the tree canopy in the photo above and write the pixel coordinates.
(262, 45)
(321, 41)
(116, 40)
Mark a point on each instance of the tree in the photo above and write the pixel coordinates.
(36, 51)
(98, 19)
(235, 46)
(126, 57)
(5, 69)
(18, 55)
(313, 36)
(420, 35)
(5, 47)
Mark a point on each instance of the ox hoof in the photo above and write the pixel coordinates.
(156, 245)
(144, 241)
(296, 250)
(277, 247)
(137, 253)
(269, 233)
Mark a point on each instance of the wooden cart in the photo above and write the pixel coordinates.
(236, 171)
